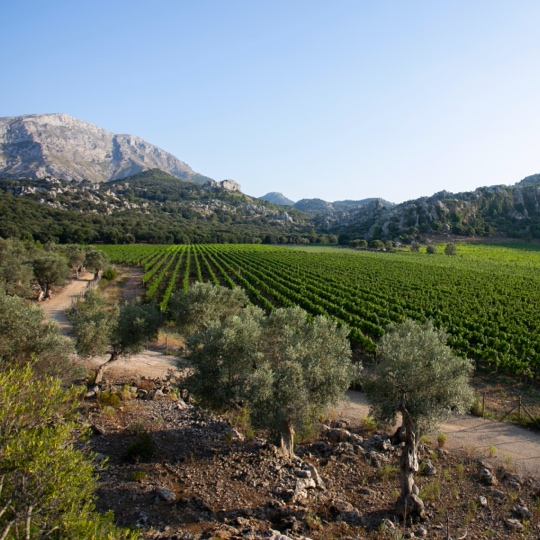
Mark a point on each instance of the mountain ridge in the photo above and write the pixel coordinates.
(61, 146)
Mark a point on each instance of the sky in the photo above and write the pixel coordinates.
(337, 100)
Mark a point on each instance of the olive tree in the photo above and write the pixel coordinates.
(50, 269)
(100, 328)
(96, 260)
(285, 367)
(195, 309)
(419, 377)
(25, 336)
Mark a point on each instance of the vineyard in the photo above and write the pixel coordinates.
(486, 297)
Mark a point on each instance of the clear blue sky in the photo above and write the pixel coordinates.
(337, 100)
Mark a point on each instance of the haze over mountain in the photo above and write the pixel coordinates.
(40, 145)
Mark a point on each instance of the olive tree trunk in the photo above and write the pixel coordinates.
(409, 503)
(287, 440)
(101, 369)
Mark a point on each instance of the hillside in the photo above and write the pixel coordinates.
(152, 206)
(58, 145)
(512, 211)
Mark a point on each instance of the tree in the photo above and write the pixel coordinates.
(415, 247)
(47, 486)
(450, 249)
(96, 260)
(100, 328)
(203, 303)
(76, 256)
(419, 377)
(284, 366)
(25, 336)
(50, 269)
(376, 244)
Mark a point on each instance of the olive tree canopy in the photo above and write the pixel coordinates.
(286, 367)
(195, 309)
(419, 377)
(102, 328)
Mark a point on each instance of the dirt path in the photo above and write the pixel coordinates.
(151, 364)
(55, 308)
(515, 445)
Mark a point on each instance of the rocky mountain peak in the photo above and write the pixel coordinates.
(58, 145)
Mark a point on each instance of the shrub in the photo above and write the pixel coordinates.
(108, 399)
(110, 274)
(441, 439)
(142, 449)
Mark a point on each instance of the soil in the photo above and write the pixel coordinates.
(202, 479)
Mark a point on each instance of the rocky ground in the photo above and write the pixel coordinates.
(176, 472)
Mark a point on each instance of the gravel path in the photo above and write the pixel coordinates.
(514, 445)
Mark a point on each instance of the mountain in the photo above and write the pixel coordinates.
(318, 206)
(60, 146)
(152, 206)
(277, 198)
(512, 211)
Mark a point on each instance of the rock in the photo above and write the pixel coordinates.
(482, 501)
(158, 394)
(486, 477)
(338, 435)
(276, 535)
(303, 474)
(514, 524)
(316, 477)
(366, 492)
(498, 494)
(429, 468)
(421, 532)
(522, 512)
(388, 524)
(166, 494)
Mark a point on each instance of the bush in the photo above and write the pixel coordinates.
(108, 399)
(431, 249)
(48, 486)
(142, 449)
(110, 274)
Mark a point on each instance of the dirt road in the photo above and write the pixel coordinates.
(148, 363)
(512, 444)
(55, 308)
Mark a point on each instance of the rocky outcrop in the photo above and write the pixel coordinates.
(40, 145)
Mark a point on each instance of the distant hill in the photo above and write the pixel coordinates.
(318, 206)
(277, 198)
(152, 206)
(512, 211)
(60, 146)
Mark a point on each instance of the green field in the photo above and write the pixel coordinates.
(486, 297)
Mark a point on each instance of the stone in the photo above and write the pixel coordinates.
(486, 477)
(421, 532)
(166, 494)
(429, 468)
(514, 524)
(522, 512)
(338, 435)
(482, 501)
